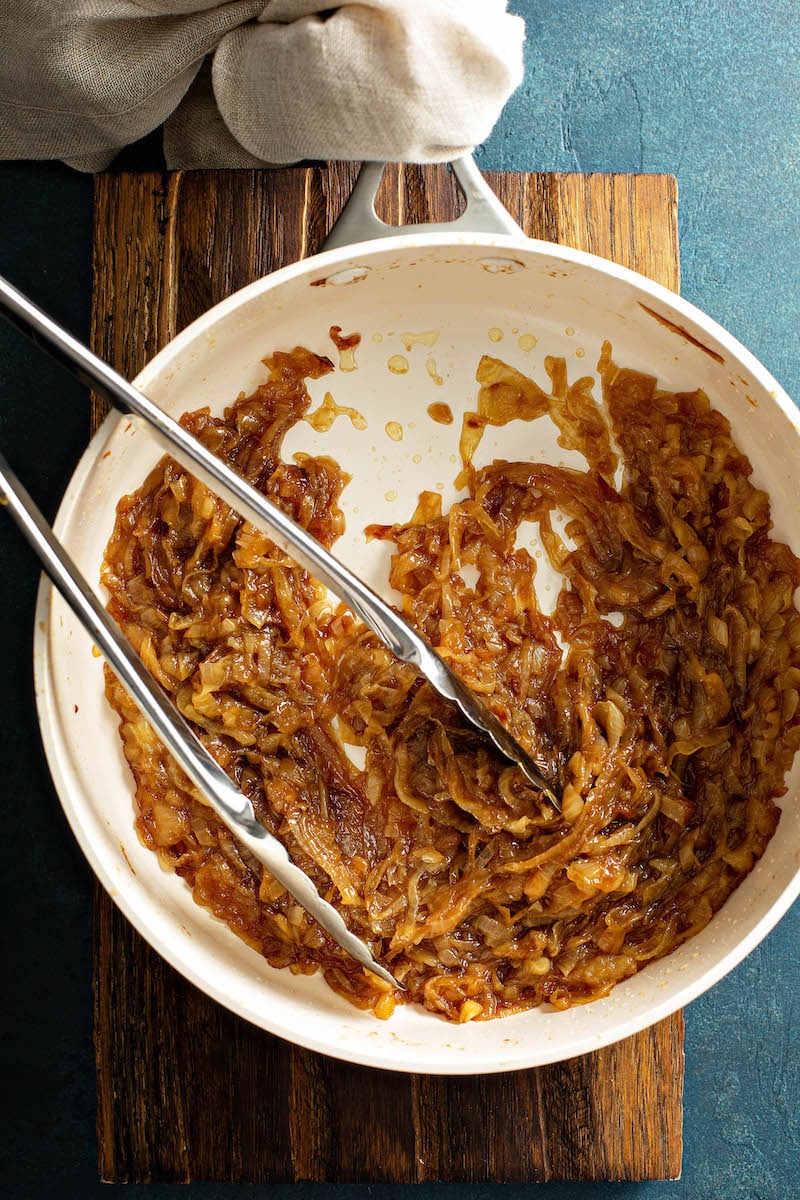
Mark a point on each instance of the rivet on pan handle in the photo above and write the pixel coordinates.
(483, 212)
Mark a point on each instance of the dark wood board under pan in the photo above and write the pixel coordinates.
(187, 1091)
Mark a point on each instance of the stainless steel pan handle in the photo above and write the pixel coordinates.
(483, 213)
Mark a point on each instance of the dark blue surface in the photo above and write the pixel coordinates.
(707, 91)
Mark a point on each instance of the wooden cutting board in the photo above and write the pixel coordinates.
(186, 1090)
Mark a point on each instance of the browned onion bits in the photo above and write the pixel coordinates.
(664, 686)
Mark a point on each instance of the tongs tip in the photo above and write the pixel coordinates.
(376, 969)
(534, 776)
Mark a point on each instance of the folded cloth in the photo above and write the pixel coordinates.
(254, 81)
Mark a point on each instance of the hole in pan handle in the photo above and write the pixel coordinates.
(483, 212)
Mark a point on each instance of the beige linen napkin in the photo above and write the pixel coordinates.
(249, 81)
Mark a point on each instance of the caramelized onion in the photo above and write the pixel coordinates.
(663, 689)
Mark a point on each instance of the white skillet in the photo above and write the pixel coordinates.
(433, 302)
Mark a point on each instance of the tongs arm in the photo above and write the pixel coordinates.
(392, 630)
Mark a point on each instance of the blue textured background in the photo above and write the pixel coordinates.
(707, 91)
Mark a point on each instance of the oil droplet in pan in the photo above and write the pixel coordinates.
(394, 430)
(442, 414)
(429, 338)
(527, 342)
(398, 364)
(495, 334)
(430, 367)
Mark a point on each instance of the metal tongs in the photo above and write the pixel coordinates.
(219, 790)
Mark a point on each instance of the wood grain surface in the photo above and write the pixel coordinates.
(186, 1090)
